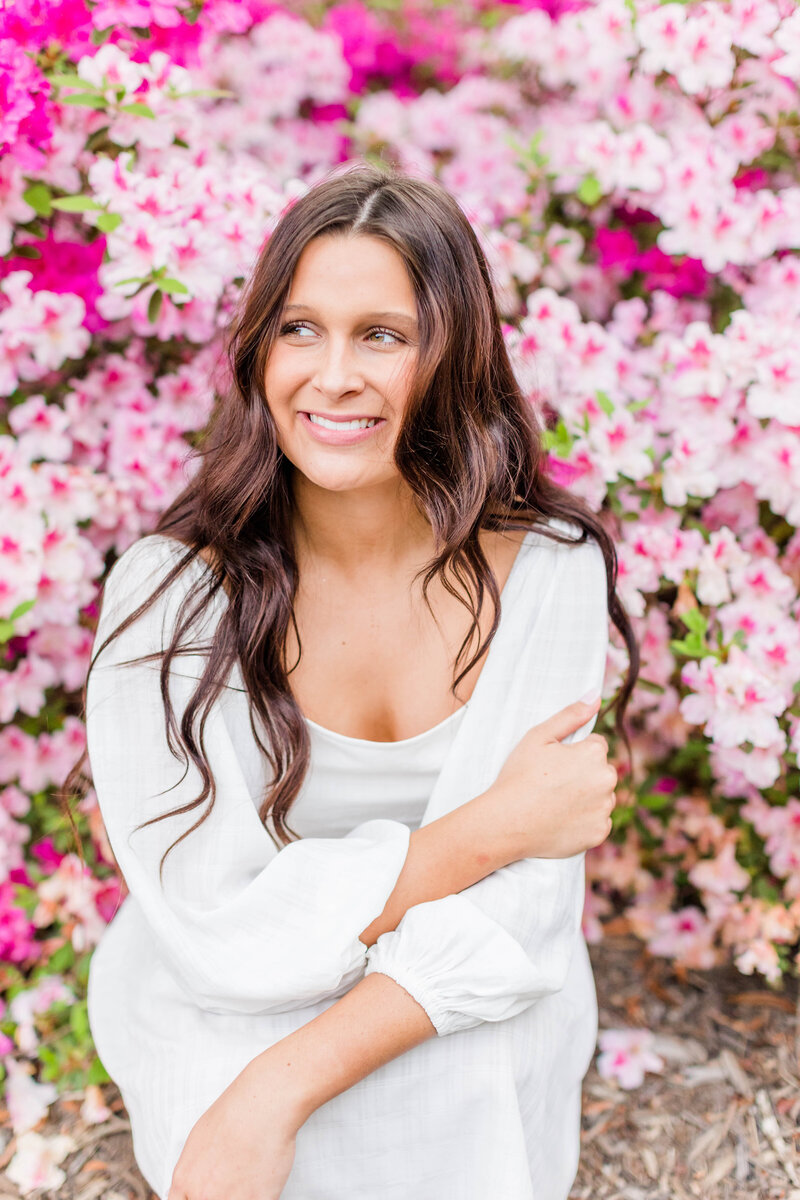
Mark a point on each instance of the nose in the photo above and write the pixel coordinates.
(337, 369)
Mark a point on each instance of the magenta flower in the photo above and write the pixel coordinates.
(65, 267)
(45, 852)
(617, 248)
(34, 24)
(25, 125)
(687, 277)
(16, 930)
(371, 50)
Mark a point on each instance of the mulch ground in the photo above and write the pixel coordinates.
(721, 1122)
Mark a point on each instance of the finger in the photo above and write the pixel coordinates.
(562, 723)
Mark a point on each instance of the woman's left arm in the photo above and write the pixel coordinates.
(257, 1117)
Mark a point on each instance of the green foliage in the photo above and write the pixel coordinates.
(7, 630)
(83, 100)
(694, 644)
(76, 204)
(605, 402)
(40, 198)
(589, 191)
(559, 440)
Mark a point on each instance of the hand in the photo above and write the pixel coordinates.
(553, 800)
(242, 1148)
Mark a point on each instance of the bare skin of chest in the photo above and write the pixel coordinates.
(375, 663)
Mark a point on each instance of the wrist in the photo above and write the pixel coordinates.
(503, 842)
(278, 1071)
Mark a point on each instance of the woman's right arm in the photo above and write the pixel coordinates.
(549, 801)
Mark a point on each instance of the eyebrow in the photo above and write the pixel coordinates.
(391, 316)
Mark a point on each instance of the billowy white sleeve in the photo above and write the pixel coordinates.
(493, 949)
(244, 925)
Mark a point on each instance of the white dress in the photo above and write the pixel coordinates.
(246, 943)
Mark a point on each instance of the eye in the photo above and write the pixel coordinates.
(386, 332)
(293, 327)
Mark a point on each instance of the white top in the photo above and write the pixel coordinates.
(246, 942)
(352, 779)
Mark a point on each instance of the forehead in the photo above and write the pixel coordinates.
(351, 273)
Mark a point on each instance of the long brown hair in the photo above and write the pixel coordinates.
(470, 449)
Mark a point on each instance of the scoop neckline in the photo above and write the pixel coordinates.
(343, 737)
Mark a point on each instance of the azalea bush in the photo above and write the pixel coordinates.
(631, 169)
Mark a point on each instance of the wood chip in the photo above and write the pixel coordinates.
(736, 1075)
(772, 1133)
(707, 1143)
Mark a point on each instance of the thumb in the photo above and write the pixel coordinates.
(568, 719)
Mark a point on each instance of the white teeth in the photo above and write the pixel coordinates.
(364, 423)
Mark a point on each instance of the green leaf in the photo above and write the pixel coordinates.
(40, 198)
(72, 80)
(6, 630)
(77, 204)
(84, 100)
(26, 251)
(173, 287)
(97, 1073)
(655, 801)
(559, 440)
(79, 1021)
(107, 222)
(21, 609)
(154, 305)
(695, 620)
(692, 647)
(589, 190)
(138, 110)
(62, 959)
(605, 402)
(637, 405)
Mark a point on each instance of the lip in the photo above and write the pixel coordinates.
(344, 437)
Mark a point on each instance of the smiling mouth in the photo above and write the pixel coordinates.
(342, 422)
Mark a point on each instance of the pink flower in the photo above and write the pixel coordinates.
(626, 1055)
(25, 126)
(65, 266)
(16, 930)
(35, 24)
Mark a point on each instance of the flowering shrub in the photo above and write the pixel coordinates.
(631, 170)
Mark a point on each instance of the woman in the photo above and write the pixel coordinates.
(350, 962)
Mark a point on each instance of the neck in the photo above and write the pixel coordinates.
(379, 526)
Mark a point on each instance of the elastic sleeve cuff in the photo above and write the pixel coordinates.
(459, 964)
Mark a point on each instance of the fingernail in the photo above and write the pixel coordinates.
(590, 696)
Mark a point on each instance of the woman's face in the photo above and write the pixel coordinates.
(346, 348)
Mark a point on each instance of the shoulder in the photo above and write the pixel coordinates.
(571, 574)
(138, 573)
(145, 562)
(576, 551)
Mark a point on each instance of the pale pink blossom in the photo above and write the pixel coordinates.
(27, 1101)
(721, 874)
(687, 936)
(733, 700)
(626, 1054)
(28, 1004)
(35, 1162)
(94, 1110)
